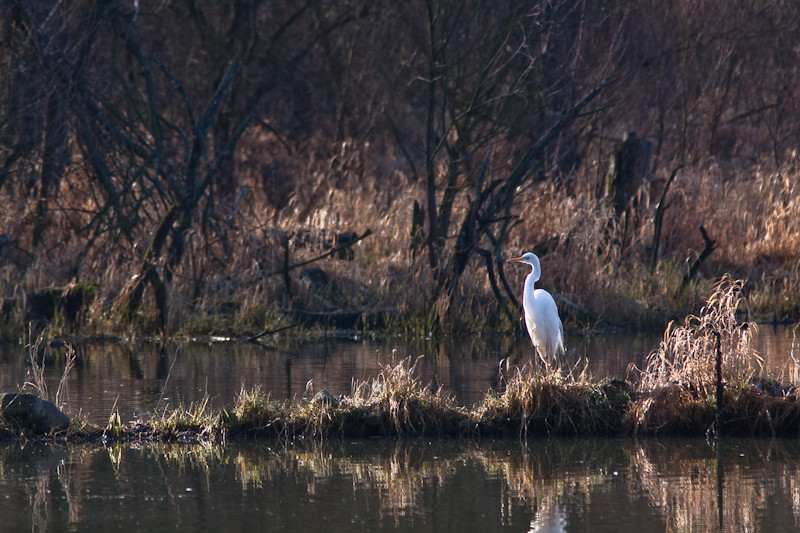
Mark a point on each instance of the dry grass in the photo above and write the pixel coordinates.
(38, 352)
(197, 421)
(236, 288)
(686, 356)
(677, 390)
(392, 404)
(670, 410)
(253, 410)
(553, 403)
(398, 399)
(758, 226)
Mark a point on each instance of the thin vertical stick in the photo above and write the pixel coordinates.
(720, 485)
(719, 385)
(286, 279)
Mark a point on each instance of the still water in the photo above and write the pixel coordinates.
(451, 485)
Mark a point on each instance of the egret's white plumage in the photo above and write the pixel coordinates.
(541, 314)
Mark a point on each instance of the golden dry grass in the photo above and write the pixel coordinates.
(394, 403)
(686, 356)
(677, 389)
(235, 286)
(553, 402)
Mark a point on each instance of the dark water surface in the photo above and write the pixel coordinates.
(402, 485)
(450, 485)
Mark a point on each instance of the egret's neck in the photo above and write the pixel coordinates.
(533, 277)
(530, 281)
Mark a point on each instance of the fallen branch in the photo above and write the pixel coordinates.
(330, 252)
(710, 244)
(254, 338)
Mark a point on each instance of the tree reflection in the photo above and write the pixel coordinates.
(548, 484)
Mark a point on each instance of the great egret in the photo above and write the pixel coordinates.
(541, 313)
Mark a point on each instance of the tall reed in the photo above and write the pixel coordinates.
(679, 392)
(686, 356)
(37, 352)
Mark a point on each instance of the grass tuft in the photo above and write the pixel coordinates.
(406, 407)
(686, 356)
(677, 389)
(392, 404)
(254, 413)
(554, 403)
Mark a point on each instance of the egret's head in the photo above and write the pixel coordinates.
(529, 258)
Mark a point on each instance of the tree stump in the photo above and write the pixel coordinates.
(625, 179)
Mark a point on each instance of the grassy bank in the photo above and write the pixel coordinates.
(677, 393)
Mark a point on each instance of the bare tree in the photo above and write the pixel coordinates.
(44, 50)
(487, 85)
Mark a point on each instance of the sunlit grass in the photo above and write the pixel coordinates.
(538, 401)
(686, 356)
(677, 389)
(392, 404)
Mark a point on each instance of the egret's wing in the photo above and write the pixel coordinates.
(531, 325)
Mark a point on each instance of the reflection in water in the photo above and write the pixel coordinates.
(546, 485)
(144, 377)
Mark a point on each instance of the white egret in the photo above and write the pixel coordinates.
(541, 314)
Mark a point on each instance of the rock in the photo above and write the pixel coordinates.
(31, 412)
(325, 397)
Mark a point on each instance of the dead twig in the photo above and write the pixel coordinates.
(330, 252)
(710, 244)
(254, 338)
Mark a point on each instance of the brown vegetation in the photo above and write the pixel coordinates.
(705, 379)
(180, 158)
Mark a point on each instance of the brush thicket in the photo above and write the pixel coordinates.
(234, 284)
